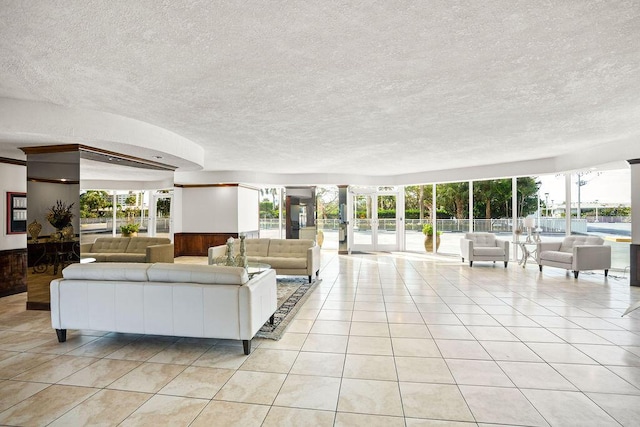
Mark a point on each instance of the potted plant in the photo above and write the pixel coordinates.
(427, 230)
(129, 230)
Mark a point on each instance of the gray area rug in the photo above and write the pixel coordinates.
(292, 293)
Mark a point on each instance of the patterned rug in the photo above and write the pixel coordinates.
(292, 293)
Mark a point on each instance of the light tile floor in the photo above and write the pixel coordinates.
(385, 340)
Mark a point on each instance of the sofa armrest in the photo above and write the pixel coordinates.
(160, 253)
(216, 252)
(466, 248)
(591, 257)
(85, 247)
(504, 244)
(313, 260)
(548, 246)
(258, 300)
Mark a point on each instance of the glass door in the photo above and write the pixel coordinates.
(387, 223)
(160, 218)
(374, 219)
(364, 223)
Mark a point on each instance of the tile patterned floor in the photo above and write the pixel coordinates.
(385, 340)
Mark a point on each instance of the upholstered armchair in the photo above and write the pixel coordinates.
(484, 247)
(575, 253)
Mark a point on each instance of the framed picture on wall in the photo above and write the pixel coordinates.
(16, 212)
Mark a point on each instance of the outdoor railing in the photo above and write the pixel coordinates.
(98, 225)
(504, 225)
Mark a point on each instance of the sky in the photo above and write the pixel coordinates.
(610, 187)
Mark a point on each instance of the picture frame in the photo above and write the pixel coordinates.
(16, 212)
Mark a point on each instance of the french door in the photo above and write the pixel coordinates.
(375, 222)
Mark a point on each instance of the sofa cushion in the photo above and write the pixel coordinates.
(569, 242)
(557, 256)
(290, 248)
(488, 251)
(255, 247)
(138, 245)
(99, 257)
(204, 274)
(122, 257)
(482, 239)
(110, 244)
(281, 262)
(132, 272)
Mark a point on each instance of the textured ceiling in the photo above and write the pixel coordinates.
(386, 88)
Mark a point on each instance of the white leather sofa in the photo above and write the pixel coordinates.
(575, 253)
(484, 247)
(163, 299)
(129, 249)
(297, 257)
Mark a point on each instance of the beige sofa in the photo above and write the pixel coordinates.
(575, 253)
(484, 247)
(129, 249)
(295, 257)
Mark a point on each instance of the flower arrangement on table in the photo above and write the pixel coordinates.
(60, 215)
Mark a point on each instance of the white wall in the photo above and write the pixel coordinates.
(176, 210)
(209, 210)
(13, 178)
(248, 209)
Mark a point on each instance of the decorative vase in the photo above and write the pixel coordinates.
(241, 260)
(34, 230)
(428, 242)
(230, 258)
(67, 232)
(132, 234)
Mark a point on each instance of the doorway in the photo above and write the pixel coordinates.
(375, 223)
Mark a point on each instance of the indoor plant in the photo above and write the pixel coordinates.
(130, 230)
(427, 230)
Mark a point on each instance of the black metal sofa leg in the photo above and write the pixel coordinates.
(272, 319)
(62, 335)
(606, 272)
(575, 274)
(246, 344)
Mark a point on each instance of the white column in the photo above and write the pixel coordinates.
(114, 210)
(433, 220)
(401, 219)
(514, 214)
(470, 206)
(280, 213)
(567, 207)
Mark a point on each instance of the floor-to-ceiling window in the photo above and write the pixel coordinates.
(600, 204)
(109, 213)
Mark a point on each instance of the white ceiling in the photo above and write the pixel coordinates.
(327, 91)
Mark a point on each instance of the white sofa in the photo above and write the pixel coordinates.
(298, 257)
(163, 299)
(484, 247)
(575, 253)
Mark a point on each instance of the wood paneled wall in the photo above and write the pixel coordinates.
(13, 265)
(198, 244)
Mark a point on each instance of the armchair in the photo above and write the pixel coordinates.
(484, 247)
(575, 253)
